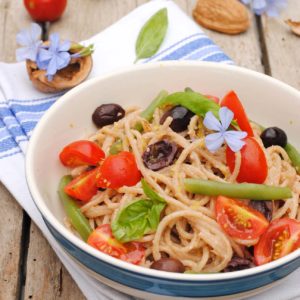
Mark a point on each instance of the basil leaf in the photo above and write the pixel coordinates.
(140, 217)
(193, 101)
(136, 220)
(151, 193)
(152, 35)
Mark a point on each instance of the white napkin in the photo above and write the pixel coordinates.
(21, 106)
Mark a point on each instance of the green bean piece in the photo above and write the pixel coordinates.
(193, 101)
(291, 151)
(77, 219)
(294, 156)
(149, 111)
(116, 147)
(237, 190)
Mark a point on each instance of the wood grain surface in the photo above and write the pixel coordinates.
(29, 269)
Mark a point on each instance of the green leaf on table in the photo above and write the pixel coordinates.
(152, 35)
(139, 217)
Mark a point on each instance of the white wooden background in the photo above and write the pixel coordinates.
(28, 267)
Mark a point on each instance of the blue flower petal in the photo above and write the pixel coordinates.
(63, 59)
(54, 42)
(36, 32)
(214, 141)
(64, 46)
(52, 66)
(234, 139)
(44, 55)
(211, 122)
(226, 116)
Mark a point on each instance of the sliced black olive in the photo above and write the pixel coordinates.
(107, 114)
(181, 118)
(160, 155)
(264, 207)
(274, 136)
(238, 263)
(168, 265)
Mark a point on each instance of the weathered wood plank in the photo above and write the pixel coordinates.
(283, 47)
(11, 214)
(46, 277)
(11, 217)
(13, 17)
(243, 49)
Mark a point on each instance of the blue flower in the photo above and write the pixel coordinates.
(215, 140)
(54, 58)
(31, 42)
(270, 7)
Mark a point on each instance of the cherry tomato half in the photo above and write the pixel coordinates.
(81, 153)
(102, 239)
(281, 238)
(119, 170)
(239, 220)
(84, 186)
(45, 10)
(232, 101)
(254, 167)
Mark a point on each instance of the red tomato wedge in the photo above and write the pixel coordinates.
(239, 220)
(84, 186)
(232, 101)
(119, 170)
(213, 98)
(135, 252)
(254, 168)
(281, 238)
(81, 153)
(102, 239)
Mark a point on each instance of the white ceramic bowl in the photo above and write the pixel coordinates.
(266, 100)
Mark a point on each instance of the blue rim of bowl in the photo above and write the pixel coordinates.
(45, 212)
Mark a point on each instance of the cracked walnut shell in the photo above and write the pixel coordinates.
(226, 16)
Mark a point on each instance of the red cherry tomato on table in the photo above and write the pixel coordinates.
(232, 102)
(84, 186)
(45, 10)
(81, 153)
(281, 238)
(119, 170)
(102, 239)
(239, 220)
(254, 167)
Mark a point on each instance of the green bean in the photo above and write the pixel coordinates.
(149, 111)
(77, 219)
(294, 156)
(237, 190)
(291, 151)
(116, 147)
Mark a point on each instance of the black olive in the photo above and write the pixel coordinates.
(274, 136)
(238, 263)
(264, 207)
(160, 155)
(107, 114)
(168, 265)
(181, 118)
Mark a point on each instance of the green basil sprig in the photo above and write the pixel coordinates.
(152, 35)
(138, 218)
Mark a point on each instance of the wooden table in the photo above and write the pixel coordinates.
(29, 269)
